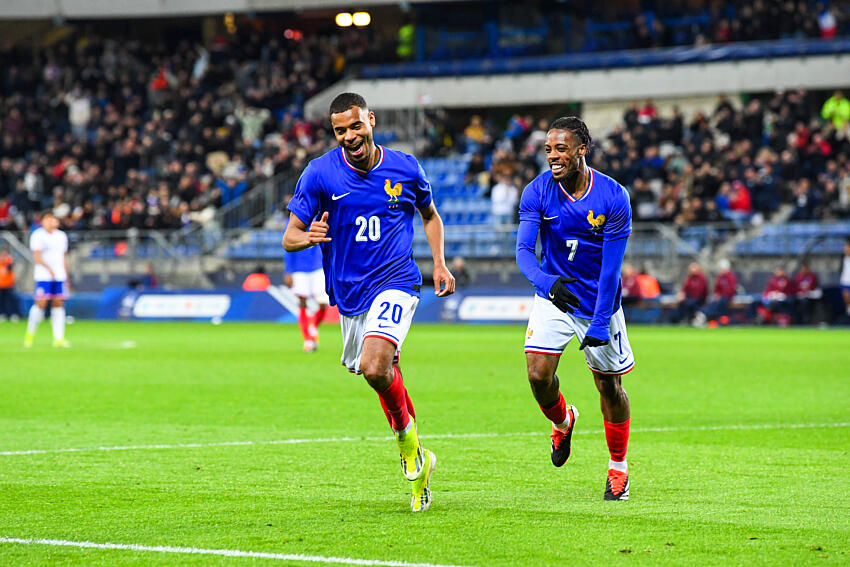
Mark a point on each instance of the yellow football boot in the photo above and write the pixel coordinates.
(410, 451)
(420, 497)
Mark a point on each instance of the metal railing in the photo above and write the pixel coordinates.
(258, 203)
(184, 256)
(21, 254)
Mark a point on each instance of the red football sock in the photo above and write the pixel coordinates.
(386, 411)
(304, 323)
(557, 414)
(319, 316)
(617, 436)
(407, 400)
(394, 402)
(409, 404)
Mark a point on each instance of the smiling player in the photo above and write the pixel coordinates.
(584, 220)
(357, 202)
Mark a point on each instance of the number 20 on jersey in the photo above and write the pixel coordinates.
(368, 229)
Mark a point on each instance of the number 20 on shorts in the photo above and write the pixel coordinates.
(395, 312)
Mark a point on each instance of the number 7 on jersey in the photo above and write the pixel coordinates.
(573, 246)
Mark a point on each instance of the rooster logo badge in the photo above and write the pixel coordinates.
(596, 222)
(392, 190)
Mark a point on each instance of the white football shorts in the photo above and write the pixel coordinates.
(310, 284)
(550, 330)
(388, 318)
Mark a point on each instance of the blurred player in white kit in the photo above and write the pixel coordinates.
(49, 246)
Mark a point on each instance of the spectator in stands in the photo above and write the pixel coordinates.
(692, 296)
(517, 129)
(7, 214)
(476, 172)
(806, 201)
(503, 164)
(79, 110)
(10, 306)
(537, 138)
(826, 22)
(844, 280)
(648, 113)
(807, 293)
(836, 109)
(503, 200)
(648, 285)
(777, 299)
(477, 135)
(644, 201)
(725, 288)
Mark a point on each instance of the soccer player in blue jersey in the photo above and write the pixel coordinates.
(584, 220)
(304, 276)
(357, 202)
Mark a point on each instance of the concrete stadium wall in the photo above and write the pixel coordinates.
(687, 80)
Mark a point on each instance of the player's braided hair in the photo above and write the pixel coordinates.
(574, 125)
(344, 101)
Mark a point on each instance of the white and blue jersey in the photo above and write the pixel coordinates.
(572, 234)
(370, 215)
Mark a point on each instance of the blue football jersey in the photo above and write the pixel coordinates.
(370, 215)
(307, 260)
(572, 231)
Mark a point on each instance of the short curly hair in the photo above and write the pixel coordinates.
(575, 125)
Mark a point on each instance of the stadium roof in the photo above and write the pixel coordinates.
(36, 9)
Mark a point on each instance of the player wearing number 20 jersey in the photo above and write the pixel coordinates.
(371, 223)
(357, 202)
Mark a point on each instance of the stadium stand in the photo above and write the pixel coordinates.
(120, 133)
(131, 134)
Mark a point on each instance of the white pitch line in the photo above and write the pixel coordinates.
(220, 552)
(435, 436)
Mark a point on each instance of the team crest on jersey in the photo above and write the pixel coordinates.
(596, 222)
(393, 191)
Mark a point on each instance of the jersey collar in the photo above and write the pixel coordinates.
(357, 169)
(587, 191)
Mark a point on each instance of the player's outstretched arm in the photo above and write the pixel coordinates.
(444, 281)
(299, 236)
(613, 252)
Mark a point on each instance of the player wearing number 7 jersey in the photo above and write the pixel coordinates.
(357, 202)
(584, 220)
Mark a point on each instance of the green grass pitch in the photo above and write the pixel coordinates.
(738, 453)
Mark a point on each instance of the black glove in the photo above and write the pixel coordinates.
(561, 296)
(591, 342)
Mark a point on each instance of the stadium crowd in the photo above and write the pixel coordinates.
(785, 299)
(743, 20)
(734, 164)
(121, 133)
